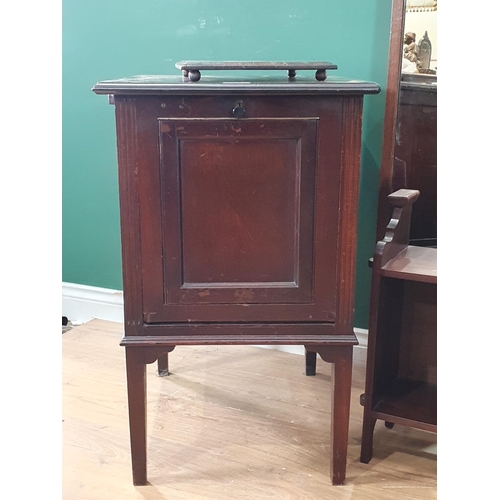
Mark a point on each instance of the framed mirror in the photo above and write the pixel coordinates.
(409, 151)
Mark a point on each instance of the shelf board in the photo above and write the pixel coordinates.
(413, 264)
(409, 402)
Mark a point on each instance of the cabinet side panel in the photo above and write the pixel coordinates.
(348, 220)
(126, 134)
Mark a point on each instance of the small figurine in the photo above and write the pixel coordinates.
(411, 49)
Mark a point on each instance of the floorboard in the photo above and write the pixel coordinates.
(229, 423)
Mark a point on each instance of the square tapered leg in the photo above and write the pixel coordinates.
(136, 388)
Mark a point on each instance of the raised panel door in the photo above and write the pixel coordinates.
(237, 220)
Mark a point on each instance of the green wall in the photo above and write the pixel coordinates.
(107, 39)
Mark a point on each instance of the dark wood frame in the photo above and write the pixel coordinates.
(391, 114)
(403, 276)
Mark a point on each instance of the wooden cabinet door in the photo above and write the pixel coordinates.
(237, 223)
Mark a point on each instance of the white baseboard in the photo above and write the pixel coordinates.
(82, 303)
(362, 334)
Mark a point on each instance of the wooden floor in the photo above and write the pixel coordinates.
(224, 426)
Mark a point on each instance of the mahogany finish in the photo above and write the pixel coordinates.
(416, 150)
(401, 385)
(409, 149)
(401, 382)
(391, 114)
(191, 69)
(238, 204)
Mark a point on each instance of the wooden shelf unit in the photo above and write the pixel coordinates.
(401, 382)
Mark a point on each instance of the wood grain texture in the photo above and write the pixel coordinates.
(208, 85)
(390, 115)
(401, 381)
(416, 149)
(126, 134)
(229, 423)
(237, 211)
(413, 263)
(254, 65)
(195, 221)
(348, 222)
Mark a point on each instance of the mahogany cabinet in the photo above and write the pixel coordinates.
(238, 205)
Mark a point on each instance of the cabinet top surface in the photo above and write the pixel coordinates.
(273, 84)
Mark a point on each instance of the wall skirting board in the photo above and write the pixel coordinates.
(82, 303)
